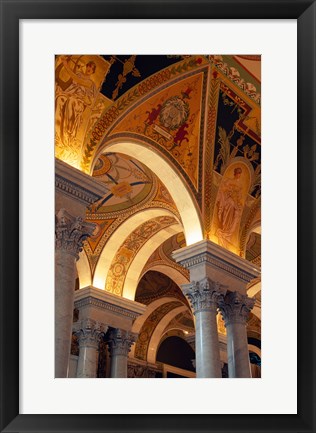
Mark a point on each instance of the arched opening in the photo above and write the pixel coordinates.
(169, 164)
(180, 193)
(116, 240)
(255, 364)
(167, 308)
(83, 269)
(135, 270)
(176, 352)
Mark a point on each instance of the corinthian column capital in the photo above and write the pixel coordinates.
(235, 308)
(71, 232)
(203, 295)
(89, 333)
(120, 341)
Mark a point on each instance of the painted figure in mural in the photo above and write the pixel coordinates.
(229, 204)
(70, 103)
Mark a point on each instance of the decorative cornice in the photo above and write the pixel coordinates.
(139, 371)
(105, 306)
(204, 295)
(76, 184)
(235, 308)
(120, 341)
(234, 76)
(93, 297)
(218, 257)
(71, 189)
(71, 232)
(225, 266)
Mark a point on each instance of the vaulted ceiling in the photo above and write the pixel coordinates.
(176, 140)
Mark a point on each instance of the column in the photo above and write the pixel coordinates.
(120, 342)
(235, 309)
(204, 296)
(205, 259)
(70, 232)
(89, 336)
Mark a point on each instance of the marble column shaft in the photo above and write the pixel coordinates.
(70, 232)
(204, 296)
(235, 309)
(119, 343)
(64, 301)
(89, 336)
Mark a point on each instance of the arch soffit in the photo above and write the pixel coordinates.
(159, 331)
(118, 237)
(170, 272)
(179, 191)
(135, 270)
(137, 325)
(173, 331)
(254, 289)
(254, 349)
(254, 228)
(83, 269)
(150, 308)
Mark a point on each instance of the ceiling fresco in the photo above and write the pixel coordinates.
(127, 71)
(128, 250)
(78, 80)
(154, 285)
(183, 321)
(253, 251)
(148, 328)
(128, 182)
(132, 187)
(171, 120)
(162, 255)
(201, 113)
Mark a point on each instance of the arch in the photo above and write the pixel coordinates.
(174, 331)
(254, 228)
(254, 349)
(180, 193)
(256, 311)
(174, 274)
(84, 271)
(254, 289)
(175, 351)
(116, 240)
(137, 325)
(159, 331)
(135, 270)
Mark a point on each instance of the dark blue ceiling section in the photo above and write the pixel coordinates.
(240, 144)
(128, 70)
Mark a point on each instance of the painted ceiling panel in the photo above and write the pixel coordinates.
(201, 113)
(128, 182)
(172, 119)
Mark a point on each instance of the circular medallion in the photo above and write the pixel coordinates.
(174, 113)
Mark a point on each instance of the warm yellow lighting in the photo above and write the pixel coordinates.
(70, 161)
(136, 267)
(128, 294)
(83, 269)
(178, 190)
(98, 283)
(229, 247)
(193, 235)
(118, 237)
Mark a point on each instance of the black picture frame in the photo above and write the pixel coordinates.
(11, 12)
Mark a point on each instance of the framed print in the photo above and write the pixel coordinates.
(135, 226)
